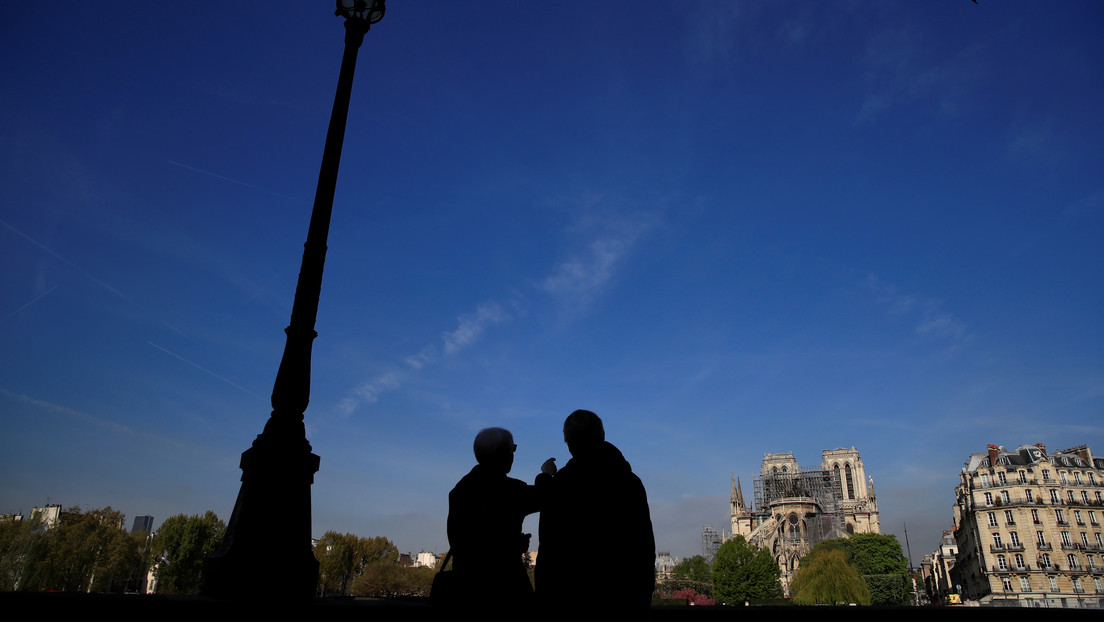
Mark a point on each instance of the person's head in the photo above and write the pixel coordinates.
(494, 448)
(583, 432)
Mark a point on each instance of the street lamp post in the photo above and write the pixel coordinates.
(267, 548)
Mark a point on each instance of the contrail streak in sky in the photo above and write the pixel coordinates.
(204, 369)
(234, 181)
(32, 301)
(67, 262)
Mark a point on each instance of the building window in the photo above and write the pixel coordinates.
(1005, 497)
(850, 483)
(988, 499)
(1001, 478)
(1077, 517)
(1002, 564)
(1007, 581)
(1085, 539)
(1030, 495)
(984, 480)
(1077, 477)
(1025, 584)
(1069, 493)
(1092, 479)
(1014, 538)
(1053, 584)
(1092, 561)
(1065, 478)
(1099, 586)
(1099, 497)
(1034, 515)
(1060, 516)
(1046, 476)
(1066, 541)
(997, 541)
(1008, 518)
(1042, 538)
(1054, 498)
(1092, 517)
(1071, 559)
(1098, 542)
(1077, 585)
(992, 519)
(1085, 497)
(1019, 562)
(1023, 477)
(1046, 560)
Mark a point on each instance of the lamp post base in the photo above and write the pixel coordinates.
(264, 553)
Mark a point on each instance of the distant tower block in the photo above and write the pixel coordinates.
(797, 507)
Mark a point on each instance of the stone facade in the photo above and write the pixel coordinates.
(1028, 527)
(795, 508)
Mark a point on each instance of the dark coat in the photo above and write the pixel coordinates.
(597, 549)
(486, 510)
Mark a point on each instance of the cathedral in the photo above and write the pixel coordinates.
(795, 508)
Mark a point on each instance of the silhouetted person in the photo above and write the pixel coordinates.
(486, 510)
(597, 549)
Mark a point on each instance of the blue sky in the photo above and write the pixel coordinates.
(729, 228)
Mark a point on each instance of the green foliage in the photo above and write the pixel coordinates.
(825, 578)
(19, 544)
(742, 572)
(389, 580)
(84, 552)
(344, 557)
(879, 560)
(183, 544)
(695, 568)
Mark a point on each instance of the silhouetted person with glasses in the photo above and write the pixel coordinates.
(486, 510)
(597, 549)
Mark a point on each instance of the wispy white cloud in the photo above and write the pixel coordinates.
(576, 280)
(472, 325)
(898, 71)
(930, 317)
(582, 276)
(369, 392)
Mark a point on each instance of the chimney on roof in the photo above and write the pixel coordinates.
(993, 451)
(1042, 447)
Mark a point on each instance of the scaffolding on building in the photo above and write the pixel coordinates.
(711, 541)
(815, 486)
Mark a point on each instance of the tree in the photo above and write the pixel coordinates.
(882, 564)
(694, 568)
(389, 580)
(20, 546)
(344, 557)
(183, 544)
(742, 572)
(84, 552)
(825, 578)
(879, 560)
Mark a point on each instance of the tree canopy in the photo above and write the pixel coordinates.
(742, 572)
(344, 557)
(694, 568)
(825, 578)
(84, 552)
(183, 544)
(878, 559)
